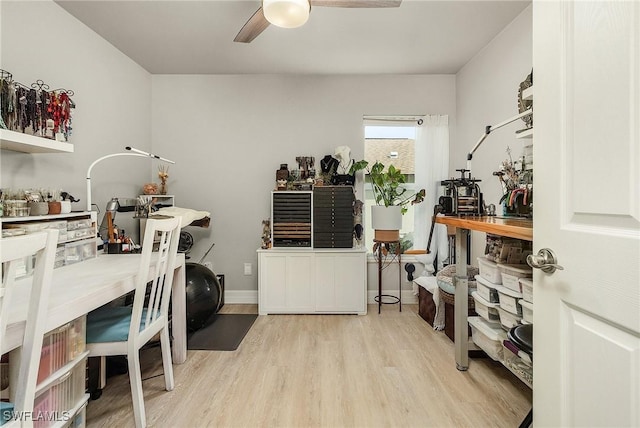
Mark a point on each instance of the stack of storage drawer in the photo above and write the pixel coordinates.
(503, 300)
(60, 398)
(75, 236)
(78, 246)
(333, 217)
(291, 218)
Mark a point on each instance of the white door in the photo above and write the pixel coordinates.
(586, 78)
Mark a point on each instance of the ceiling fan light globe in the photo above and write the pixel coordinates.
(286, 13)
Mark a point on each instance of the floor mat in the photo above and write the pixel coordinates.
(224, 333)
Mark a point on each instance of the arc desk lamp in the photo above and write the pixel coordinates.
(131, 151)
(490, 128)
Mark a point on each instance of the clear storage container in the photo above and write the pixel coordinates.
(489, 270)
(509, 299)
(507, 319)
(487, 310)
(487, 290)
(526, 284)
(488, 337)
(520, 366)
(527, 311)
(511, 275)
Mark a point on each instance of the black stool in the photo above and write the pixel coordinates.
(522, 337)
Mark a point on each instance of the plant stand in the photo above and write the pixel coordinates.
(381, 247)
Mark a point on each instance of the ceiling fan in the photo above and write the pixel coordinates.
(294, 13)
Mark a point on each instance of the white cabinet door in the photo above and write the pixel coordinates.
(325, 271)
(300, 283)
(340, 282)
(587, 210)
(286, 283)
(272, 282)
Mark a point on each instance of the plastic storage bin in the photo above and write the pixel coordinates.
(527, 311)
(487, 310)
(489, 270)
(518, 365)
(507, 319)
(509, 299)
(526, 284)
(488, 337)
(487, 290)
(511, 275)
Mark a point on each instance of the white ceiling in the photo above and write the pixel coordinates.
(196, 37)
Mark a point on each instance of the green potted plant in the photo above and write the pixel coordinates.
(391, 197)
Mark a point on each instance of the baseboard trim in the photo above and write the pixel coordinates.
(250, 297)
(241, 297)
(407, 296)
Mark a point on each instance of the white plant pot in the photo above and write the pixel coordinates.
(386, 218)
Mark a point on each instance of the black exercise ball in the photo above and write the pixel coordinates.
(204, 295)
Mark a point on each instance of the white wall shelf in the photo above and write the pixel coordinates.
(45, 217)
(527, 94)
(25, 143)
(527, 133)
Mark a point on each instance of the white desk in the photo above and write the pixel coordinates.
(82, 287)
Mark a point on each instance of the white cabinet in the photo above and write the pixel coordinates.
(312, 281)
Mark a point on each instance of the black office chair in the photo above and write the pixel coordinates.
(522, 337)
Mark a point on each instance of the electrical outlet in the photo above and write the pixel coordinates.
(208, 265)
(247, 268)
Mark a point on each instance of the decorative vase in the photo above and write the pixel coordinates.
(65, 207)
(55, 207)
(38, 208)
(386, 222)
(163, 188)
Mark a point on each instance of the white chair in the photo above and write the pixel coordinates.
(124, 330)
(13, 253)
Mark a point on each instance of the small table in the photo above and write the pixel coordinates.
(380, 247)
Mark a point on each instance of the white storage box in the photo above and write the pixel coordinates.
(511, 275)
(507, 319)
(488, 337)
(489, 270)
(487, 290)
(518, 365)
(526, 284)
(527, 311)
(509, 299)
(487, 310)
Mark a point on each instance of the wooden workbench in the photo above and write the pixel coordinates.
(518, 228)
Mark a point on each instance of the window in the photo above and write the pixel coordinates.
(395, 145)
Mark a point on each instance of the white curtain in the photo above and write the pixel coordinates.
(432, 166)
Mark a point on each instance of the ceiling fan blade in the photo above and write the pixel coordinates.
(252, 29)
(356, 3)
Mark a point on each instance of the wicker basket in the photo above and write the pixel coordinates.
(450, 299)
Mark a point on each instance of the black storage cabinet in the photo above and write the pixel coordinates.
(333, 217)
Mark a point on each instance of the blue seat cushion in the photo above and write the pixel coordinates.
(110, 324)
(6, 412)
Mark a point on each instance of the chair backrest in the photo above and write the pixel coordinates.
(13, 252)
(149, 312)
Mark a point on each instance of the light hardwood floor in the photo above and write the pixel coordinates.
(387, 370)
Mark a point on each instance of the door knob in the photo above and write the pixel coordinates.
(545, 260)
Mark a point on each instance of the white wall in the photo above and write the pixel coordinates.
(229, 134)
(486, 94)
(40, 40)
